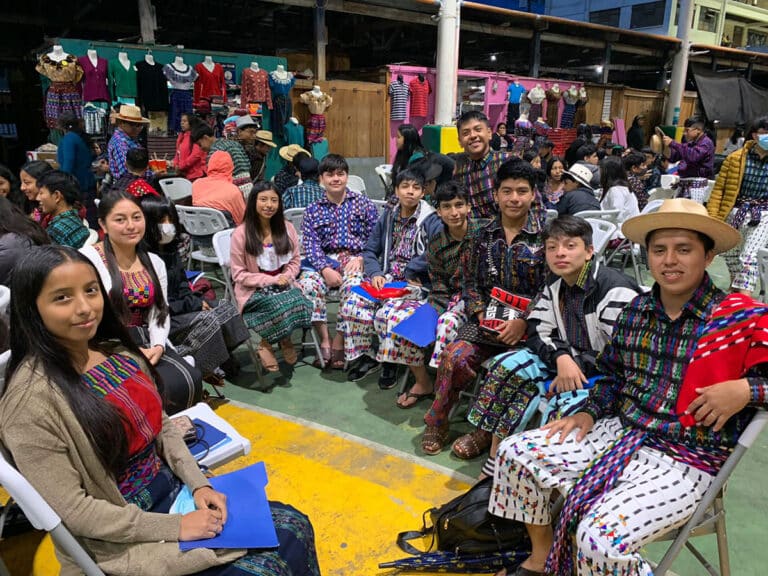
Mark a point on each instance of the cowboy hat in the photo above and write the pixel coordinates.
(288, 152)
(580, 174)
(686, 214)
(131, 113)
(265, 137)
(245, 122)
(434, 166)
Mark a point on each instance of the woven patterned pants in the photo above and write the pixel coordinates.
(393, 348)
(742, 259)
(447, 329)
(315, 290)
(654, 495)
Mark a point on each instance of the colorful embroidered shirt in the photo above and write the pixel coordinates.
(572, 300)
(478, 178)
(518, 267)
(120, 381)
(404, 232)
(68, 229)
(330, 228)
(117, 149)
(697, 159)
(302, 195)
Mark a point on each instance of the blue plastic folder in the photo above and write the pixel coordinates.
(420, 327)
(249, 519)
(360, 291)
(211, 438)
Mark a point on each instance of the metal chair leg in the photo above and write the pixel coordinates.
(722, 537)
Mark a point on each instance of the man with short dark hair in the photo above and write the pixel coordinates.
(130, 123)
(586, 155)
(302, 195)
(696, 155)
(578, 194)
(476, 168)
(545, 151)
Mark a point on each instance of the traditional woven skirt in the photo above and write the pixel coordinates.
(275, 312)
(181, 103)
(315, 128)
(62, 97)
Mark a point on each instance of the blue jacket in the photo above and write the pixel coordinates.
(75, 158)
(376, 251)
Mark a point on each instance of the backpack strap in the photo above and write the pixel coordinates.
(404, 537)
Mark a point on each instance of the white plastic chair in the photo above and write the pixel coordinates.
(669, 180)
(237, 445)
(296, 217)
(551, 215)
(176, 189)
(381, 206)
(5, 299)
(93, 237)
(384, 172)
(602, 232)
(202, 222)
(5, 357)
(708, 192)
(762, 265)
(611, 216)
(661, 194)
(356, 183)
(41, 515)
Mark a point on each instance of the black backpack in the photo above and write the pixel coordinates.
(464, 526)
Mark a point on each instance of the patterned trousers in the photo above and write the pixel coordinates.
(447, 329)
(457, 371)
(315, 290)
(394, 348)
(654, 494)
(742, 259)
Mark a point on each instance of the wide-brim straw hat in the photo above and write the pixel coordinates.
(131, 113)
(265, 137)
(685, 214)
(288, 152)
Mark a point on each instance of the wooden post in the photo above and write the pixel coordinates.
(147, 21)
(321, 39)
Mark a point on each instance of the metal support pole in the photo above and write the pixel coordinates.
(607, 63)
(447, 61)
(680, 63)
(749, 71)
(321, 39)
(535, 67)
(147, 21)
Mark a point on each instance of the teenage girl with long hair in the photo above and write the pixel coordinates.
(17, 234)
(409, 149)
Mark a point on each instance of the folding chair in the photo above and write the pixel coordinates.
(93, 237)
(709, 516)
(5, 357)
(41, 515)
(202, 223)
(235, 446)
(384, 171)
(176, 189)
(611, 216)
(660, 194)
(602, 232)
(356, 183)
(296, 217)
(668, 181)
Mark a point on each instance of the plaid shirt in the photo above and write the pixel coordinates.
(302, 195)
(328, 228)
(754, 183)
(645, 363)
(444, 258)
(518, 267)
(236, 152)
(67, 229)
(478, 177)
(117, 149)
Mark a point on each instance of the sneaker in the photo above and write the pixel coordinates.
(363, 367)
(388, 377)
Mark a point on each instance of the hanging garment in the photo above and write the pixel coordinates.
(535, 111)
(294, 133)
(317, 104)
(181, 103)
(94, 87)
(282, 108)
(553, 106)
(514, 93)
(315, 128)
(420, 92)
(95, 118)
(180, 79)
(255, 88)
(151, 87)
(569, 112)
(513, 113)
(122, 81)
(398, 103)
(63, 95)
(209, 82)
(581, 111)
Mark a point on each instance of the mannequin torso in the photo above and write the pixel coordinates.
(149, 59)
(255, 66)
(208, 63)
(93, 57)
(179, 64)
(537, 94)
(57, 54)
(122, 57)
(280, 73)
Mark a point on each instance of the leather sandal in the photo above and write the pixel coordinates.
(337, 359)
(434, 439)
(472, 445)
(267, 357)
(325, 354)
(289, 352)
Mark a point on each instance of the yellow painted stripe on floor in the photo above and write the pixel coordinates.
(358, 496)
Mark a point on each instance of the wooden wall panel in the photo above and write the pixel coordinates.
(355, 122)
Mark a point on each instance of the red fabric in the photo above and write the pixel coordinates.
(420, 92)
(734, 340)
(190, 164)
(140, 188)
(144, 423)
(255, 87)
(209, 83)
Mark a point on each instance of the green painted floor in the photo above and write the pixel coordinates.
(363, 410)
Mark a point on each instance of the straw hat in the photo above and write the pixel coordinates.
(685, 214)
(265, 137)
(580, 174)
(130, 113)
(288, 152)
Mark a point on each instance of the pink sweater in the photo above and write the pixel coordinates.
(245, 271)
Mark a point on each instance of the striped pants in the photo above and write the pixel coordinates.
(654, 494)
(447, 329)
(315, 290)
(742, 259)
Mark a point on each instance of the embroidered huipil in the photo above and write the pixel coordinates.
(478, 177)
(120, 381)
(117, 149)
(444, 257)
(139, 294)
(518, 267)
(255, 87)
(329, 228)
(645, 363)
(404, 232)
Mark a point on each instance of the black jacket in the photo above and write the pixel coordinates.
(577, 201)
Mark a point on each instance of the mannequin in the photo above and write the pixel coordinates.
(318, 102)
(123, 59)
(255, 66)
(182, 78)
(420, 91)
(281, 82)
(515, 92)
(94, 83)
(57, 53)
(93, 57)
(523, 130)
(525, 105)
(208, 63)
(293, 119)
(179, 64)
(581, 107)
(536, 96)
(294, 132)
(553, 103)
(149, 59)
(398, 93)
(122, 79)
(570, 97)
(63, 95)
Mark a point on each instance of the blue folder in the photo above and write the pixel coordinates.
(589, 384)
(360, 291)
(420, 327)
(211, 438)
(249, 519)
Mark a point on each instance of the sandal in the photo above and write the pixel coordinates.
(267, 357)
(325, 355)
(338, 359)
(434, 439)
(417, 398)
(289, 352)
(472, 445)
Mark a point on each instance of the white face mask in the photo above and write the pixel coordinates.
(167, 233)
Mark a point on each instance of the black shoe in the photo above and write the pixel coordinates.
(363, 367)
(231, 367)
(388, 377)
